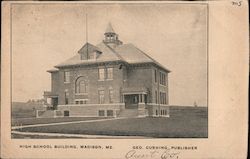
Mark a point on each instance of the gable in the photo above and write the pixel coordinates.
(88, 48)
(102, 52)
(89, 51)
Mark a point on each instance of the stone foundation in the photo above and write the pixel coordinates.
(105, 110)
(92, 110)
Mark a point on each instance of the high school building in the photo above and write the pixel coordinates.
(108, 79)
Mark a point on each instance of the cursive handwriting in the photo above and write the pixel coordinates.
(237, 3)
(166, 154)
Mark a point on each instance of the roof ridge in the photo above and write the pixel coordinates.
(149, 57)
(143, 52)
(117, 54)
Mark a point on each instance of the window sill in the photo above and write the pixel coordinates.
(81, 93)
(163, 85)
(105, 79)
(66, 82)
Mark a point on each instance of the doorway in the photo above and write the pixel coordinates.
(131, 101)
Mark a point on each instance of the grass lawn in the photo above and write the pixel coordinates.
(31, 121)
(179, 125)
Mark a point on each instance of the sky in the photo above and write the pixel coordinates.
(175, 35)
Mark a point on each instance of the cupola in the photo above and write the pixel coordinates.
(111, 38)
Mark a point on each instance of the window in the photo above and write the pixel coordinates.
(81, 101)
(101, 113)
(155, 76)
(105, 73)
(109, 73)
(163, 99)
(162, 79)
(66, 113)
(101, 96)
(66, 94)
(101, 74)
(66, 76)
(156, 97)
(92, 55)
(110, 113)
(81, 86)
(111, 96)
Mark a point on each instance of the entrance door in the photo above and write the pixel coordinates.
(131, 101)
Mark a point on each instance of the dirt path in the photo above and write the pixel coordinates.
(62, 123)
(71, 135)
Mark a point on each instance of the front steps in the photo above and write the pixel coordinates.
(128, 113)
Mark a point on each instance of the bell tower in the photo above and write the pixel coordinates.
(111, 38)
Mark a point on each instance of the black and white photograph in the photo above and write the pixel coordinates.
(109, 71)
(124, 79)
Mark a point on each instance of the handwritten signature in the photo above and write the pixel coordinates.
(166, 154)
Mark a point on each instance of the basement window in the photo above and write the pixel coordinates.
(101, 113)
(110, 113)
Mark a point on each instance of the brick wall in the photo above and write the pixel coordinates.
(91, 109)
(156, 86)
(89, 73)
(158, 110)
(54, 82)
(127, 76)
(140, 76)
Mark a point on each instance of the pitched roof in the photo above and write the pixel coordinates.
(106, 55)
(109, 29)
(127, 53)
(88, 48)
(131, 54)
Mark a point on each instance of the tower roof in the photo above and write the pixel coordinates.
(109, 28)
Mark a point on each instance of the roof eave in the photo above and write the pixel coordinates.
(86, 64)
(52, 70)
(162, 67)
(167, 70)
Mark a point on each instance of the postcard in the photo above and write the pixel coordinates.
(124, 79)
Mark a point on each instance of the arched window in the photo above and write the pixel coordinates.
(81, 85)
